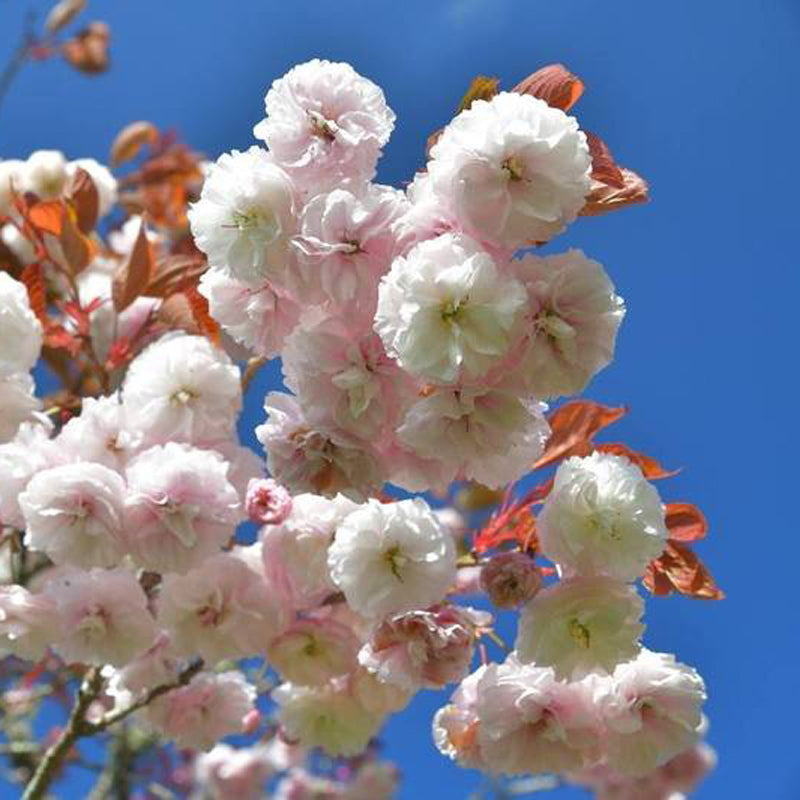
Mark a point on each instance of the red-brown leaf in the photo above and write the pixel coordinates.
(85, 200)
(130, 140)
(78, 249)
(685, 522)
(514, 525)
(572, 427)
(175, 313)
(554, 84)
(604, 168)
(132, 277)
(173, 273)
(47, 216)
(650, 468)
(604, 198)
(202, 316)
(679, 569)
(88, 50)
(31, 276)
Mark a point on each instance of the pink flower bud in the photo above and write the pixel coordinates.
(251, 721)
(510, 579)
(267, 502)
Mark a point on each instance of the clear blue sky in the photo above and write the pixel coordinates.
(699, 96)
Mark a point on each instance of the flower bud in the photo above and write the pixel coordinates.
(267, 502)
(510, 579)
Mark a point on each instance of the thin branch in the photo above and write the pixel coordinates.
(78, 726)
(55, 755)
(19, 56)
(90, 728)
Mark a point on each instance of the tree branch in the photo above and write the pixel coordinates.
(78, 726)
(18, 58)
(108, 720)
(55, 755)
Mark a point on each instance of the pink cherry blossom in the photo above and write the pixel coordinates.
(531, 722)
(211, 706)
(267, 502)
(180, 507)
(259, 317)
(510, 579)
(102, 617)
(74, 513)
(306, 460)
(346, 242)
(421, 648)
(325, 124)
(312, 651)
(226, 773)
(28, 622)
(223, 609)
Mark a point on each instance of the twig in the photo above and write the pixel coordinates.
(78, 726)
(108, 720)
(19, 57)
(55, 755)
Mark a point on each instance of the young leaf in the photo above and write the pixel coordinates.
(85, 200)
(88, 50)
(78, 249)
(572, 428)
(679, 569)
(604, 198)
(685, 522)
(604, 168)
(132, 277)
(130, 140)
(47, 216)
(650, 468)
(554, 84)
(32, 278)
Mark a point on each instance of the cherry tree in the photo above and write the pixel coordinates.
(166, 588)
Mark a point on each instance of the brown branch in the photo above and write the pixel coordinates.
(18, 57)
(55, 755)
(78, 726)
(117, 716)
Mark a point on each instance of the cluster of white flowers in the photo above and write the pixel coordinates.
(418, 346)
(47, 174)
(579, 695)
(20, 343)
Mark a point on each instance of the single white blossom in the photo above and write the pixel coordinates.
(392, 557)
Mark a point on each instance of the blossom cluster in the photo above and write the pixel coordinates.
(417, 350)
(419, 337)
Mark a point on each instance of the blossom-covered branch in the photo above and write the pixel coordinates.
(205, 591)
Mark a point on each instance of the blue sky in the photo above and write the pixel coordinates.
(700, 98)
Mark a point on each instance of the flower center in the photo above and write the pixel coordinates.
(396, 561)
(246, 220)
(452, 310)
(554, 326)
(182, 397)
(93, 624)
(514, 167)
(213, 612)
(580, 634)
(324, 128)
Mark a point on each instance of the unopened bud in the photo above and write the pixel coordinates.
(510, 579)
(267, 502)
